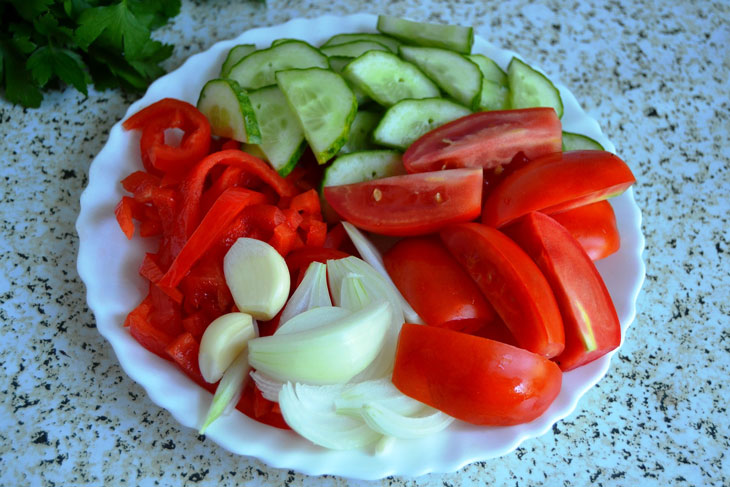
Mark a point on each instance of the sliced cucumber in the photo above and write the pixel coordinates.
(573, 141)
(337, 39)
(494, 96)
(259, 68)
(530, 88)
(281, 40)
(407, 120)
(353, 49)
(361, 132)
(234, 55)
(387, 79)
(337, 64)
(363, 166)
(324, 105)
(490, 70)
(228, 109)
(454, 37)
(282, 138)
(454, 73)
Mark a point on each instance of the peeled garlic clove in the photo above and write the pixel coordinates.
(224, 340)
(257, 277)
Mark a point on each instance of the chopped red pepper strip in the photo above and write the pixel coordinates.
(123, 211)
(192, 186)
(147, 335)
(215, 222)
(149, 269)
(184, 350)
(307, 202)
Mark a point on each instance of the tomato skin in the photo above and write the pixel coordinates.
(474, 379)
(591, 324)
(486, 140)
(413, 204)
(434, 283)
(555, 183)
(594, 226)
(511, 282)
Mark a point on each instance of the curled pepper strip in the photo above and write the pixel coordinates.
(192, 187)
(157, 156)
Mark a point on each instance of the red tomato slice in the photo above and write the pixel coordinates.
(473, 379)
(486, 140)
(434, 283)
(594, 226)
(591, 325)
(555, 183)
(413, 204)
(512, 283)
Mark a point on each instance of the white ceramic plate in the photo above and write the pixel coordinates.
(108, 264)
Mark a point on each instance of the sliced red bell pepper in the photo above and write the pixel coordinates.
(183, 350)
(124, 211)
(255, 406)
(147, 335)
(215, 222)
(307, 202)
(192, 186)
(168, 113)
(204, 288)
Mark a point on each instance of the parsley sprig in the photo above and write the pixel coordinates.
(47, 43)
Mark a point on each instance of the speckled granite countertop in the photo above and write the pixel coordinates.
(653, 73)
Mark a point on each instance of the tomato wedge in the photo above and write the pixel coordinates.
(434, 283)
(473, 379)
(591, 324)
(555, 183)
(486, 140)
(512, 283)
(413, 204)
(594, 226)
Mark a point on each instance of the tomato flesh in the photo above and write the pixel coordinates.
(434, 283)
(486, 139)
(594, 226)
(591, 324)
(473, 379)
(413, 204)
(512, 283)
(555, 183)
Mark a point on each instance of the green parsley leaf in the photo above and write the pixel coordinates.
(19, 85)
(119, 26)
(30, 9)
(48, 61)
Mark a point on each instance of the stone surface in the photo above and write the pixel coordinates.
(654, 74)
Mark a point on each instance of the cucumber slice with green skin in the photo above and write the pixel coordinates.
(490, 70)
(530, 88)
(454, 37)
(259, 68)
(387, 79)
(229, 111)
(572, 141)
(282, 138)
(337, 64)
(363, 166)
(281, 40)
(324, 105)
(407, 120)
(494, 96)
(454, 73)
(391, 43)
(353, 49)
(361, 132)
(234, 55)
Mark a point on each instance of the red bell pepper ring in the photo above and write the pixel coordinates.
(215, 222)
(168, 113)
(192, 186)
